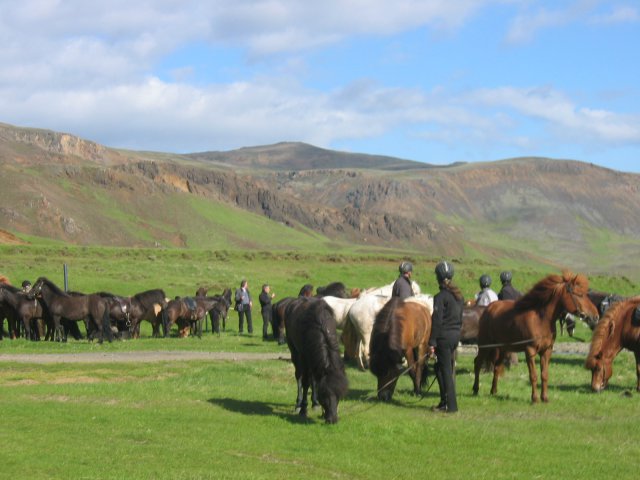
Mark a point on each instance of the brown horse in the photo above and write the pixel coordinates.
(618, 329)
(146, 306)
(401, 329)
(23, 310)
(528, 324)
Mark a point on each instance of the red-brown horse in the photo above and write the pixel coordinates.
(529, 325)
(401, 329)
(618, 329)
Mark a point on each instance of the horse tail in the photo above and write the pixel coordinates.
(381, 356)
(165, 322)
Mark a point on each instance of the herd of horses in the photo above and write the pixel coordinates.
(387, 335)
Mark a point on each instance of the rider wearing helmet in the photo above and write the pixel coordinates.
(446, 322)
(402, 286)
(507, 292)
(485, 296)
(26, 286)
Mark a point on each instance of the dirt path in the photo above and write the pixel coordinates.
(176, 356)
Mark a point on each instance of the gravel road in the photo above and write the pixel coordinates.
(176, 356)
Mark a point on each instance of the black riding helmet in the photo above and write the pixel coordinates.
(505, 277)
(405, 267)
(26, 283)
(485, 281)
(444, 271)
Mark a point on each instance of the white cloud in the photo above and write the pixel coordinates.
(619, 14)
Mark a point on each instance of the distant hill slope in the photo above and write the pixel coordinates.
(293, 195)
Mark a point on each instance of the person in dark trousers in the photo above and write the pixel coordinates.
(265, 308)
(402, 286)
(243, 306)
(445, 335)
(508, 292)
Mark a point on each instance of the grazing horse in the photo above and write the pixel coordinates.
(315, 353)
(401, 330)
(60, 305)
(146, 306)
(529, 324)
(618, 329)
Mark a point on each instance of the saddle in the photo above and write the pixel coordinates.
(192, 305)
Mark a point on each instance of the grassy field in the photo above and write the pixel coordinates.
(199, 420)
(206, 419)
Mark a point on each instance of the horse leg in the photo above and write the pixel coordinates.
(545, 359)
(533, 376)
(411, 361)
(637, 354)
(498, 368)
(477, 365)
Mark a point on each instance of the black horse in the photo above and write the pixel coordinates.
(60, 305)
(315, 353)
(335, 289)
(21, 311)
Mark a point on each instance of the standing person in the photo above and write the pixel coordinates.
(243, 306)
(265, 308)
(446, 323)
(402, 286)
(507, 292)
(485, 296)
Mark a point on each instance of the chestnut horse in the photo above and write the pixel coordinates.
(401, 329)
(618, 329)
(529, 324)
(315, 353)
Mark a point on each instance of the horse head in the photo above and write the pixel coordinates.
(600, 360)
(575, 299)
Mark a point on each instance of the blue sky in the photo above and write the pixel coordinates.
(437, 81)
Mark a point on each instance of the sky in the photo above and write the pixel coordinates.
(437, 81)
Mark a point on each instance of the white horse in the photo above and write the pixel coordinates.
(340, 307)
(363, 313)
(386, 290)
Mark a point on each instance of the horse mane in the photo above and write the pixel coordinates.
(543, 292)
(335, 289)
(4, 280)
(612, 319)
(9, 287)
(52, 286)
(306, 290)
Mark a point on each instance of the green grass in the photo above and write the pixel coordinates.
(187, 420)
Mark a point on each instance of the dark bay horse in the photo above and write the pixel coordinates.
(529, 324)
(315, 353)
(24, 310)
(60, 305)
(618, 329)
(146, 306)
(401, 329)
(470, 324)
(334, 289)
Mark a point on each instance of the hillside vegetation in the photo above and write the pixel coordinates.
(295, 197)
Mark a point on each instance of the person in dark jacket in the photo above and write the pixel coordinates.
(265, 308)
(243, 306)
(507, 292)
(445, 335)
(402, 286)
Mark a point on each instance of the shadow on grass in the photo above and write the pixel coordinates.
(264, 409)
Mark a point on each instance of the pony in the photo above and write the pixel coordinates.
(528, 324)
(618, 329)
(306, 291)
(401, 330)
(340, 307)
(60, 305)
(315, 353)
(22, 311)
(146, 306)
